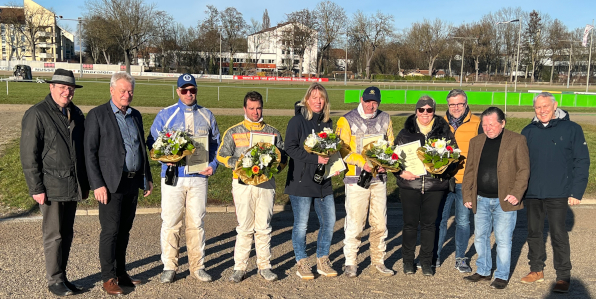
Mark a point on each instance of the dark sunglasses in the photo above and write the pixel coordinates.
(428, 110)
(192, 91)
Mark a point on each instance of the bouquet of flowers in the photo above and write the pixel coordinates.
(381, 154)
(437, 154)
(324, 143)
(258, 164)
(171, 146)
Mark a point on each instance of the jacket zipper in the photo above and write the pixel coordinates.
(422, 185)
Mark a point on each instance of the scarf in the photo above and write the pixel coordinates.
(456, 122)
(365, 116)
(425, 129)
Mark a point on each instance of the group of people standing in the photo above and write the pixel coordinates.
(64, 156)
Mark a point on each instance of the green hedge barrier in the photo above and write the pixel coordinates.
(474, 97)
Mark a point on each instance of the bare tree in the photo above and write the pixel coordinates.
(535, 39)
(483, 35)
(300, 36)
(98, 39)
(233, 30)
(36, 21)
(330, 20)
(163, 37)
(430, 38)
(131, 23)
(556, 33)
(13, 19)
(370, 32)
(209, 38)
(257, 41)
(507, 35)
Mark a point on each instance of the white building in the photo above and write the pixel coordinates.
(273, 51)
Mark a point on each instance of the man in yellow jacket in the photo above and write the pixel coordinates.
(254, 204)
(363, 124)
(464, 126)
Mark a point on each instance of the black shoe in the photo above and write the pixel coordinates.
(477, 277)
(409, 268)
(73, 287)
(427, 270)
(60, 289)
(499, 284)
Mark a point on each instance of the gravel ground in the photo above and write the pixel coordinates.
(22, 273)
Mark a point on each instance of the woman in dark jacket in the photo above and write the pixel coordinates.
(421, 195)
(312, 113)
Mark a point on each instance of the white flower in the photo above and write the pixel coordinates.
(311, 140)
(247, 162)
(265, 159)
(181, 141)
(327, 130)
(440, 146)
(158, 143)
(382, 143)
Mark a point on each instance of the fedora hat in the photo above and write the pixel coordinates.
(62, 76)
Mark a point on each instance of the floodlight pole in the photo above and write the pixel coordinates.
(220, 56)
(570, 53)
(517, 63)
(463, 48)
(518, 43)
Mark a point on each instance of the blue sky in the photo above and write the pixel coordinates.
(573, 13)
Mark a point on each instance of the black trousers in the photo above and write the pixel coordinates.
(556, 211)
(419, 209)
(116, 218)
(57, 228)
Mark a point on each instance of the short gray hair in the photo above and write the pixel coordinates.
(544, 94)
(457, 92)
(122, 75)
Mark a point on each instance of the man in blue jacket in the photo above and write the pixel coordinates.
(559, 166)
(190, 191)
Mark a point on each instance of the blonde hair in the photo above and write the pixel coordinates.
(307, 113)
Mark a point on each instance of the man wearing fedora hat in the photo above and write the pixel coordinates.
(54, 166)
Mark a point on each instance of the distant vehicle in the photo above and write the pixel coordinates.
(22, 72)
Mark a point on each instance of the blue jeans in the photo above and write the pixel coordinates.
(489, 215)
(325, 209)
(462, 223)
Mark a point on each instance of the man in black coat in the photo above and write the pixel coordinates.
(54, 166)
(559, 169)
(118, 167)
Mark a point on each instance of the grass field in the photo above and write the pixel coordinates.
(278, 96)
(14, 194)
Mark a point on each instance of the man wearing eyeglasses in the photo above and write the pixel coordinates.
(190, 190)
(53, 164)
(464, 126)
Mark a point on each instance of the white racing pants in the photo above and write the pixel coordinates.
(254, 208)
(358, 203)
(188, 197)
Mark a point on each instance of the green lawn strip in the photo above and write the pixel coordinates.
(14, 193)
(160, 94)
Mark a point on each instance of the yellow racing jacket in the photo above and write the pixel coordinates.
(353, 129)
(236, 140)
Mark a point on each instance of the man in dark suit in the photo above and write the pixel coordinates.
(117, 167)
(54, 168)
(494, 183)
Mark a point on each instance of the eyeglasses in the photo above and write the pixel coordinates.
(458, 105)
(428, 110)
(192, 91)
